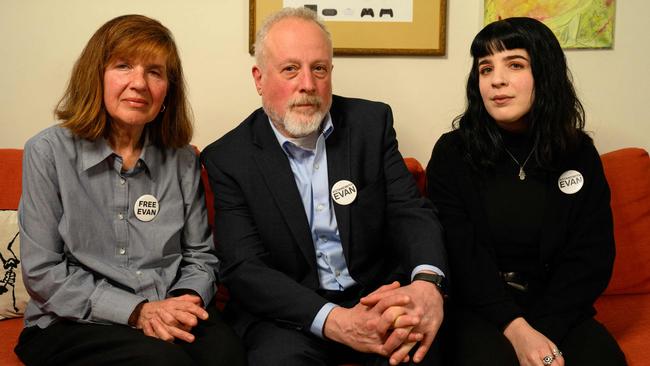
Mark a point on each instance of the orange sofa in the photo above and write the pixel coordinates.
(624, 308)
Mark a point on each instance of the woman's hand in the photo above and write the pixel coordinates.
(530, 345)
(172, 318)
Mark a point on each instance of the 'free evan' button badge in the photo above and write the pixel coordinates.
(146, 208)
(570, 181)
(344, 192)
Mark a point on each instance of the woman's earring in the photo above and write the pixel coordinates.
(163, 108)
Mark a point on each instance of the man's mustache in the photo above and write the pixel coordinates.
(306, 100)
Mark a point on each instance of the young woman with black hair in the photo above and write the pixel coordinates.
(525, 205)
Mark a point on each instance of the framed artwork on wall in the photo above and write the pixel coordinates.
(369, 27)
(576, 23)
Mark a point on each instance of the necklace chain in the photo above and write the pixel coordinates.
(522, 173)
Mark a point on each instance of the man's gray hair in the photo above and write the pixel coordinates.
(271, 20)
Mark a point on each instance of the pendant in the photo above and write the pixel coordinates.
(522, 174)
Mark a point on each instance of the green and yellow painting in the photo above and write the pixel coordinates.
(576, 23)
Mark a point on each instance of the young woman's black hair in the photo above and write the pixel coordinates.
(556, 119)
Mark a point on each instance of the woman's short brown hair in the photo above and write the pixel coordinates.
(82, 110)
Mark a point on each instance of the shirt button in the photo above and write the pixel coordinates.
(122, 251)
(120, 216)
(337, 273)
(316, 166)
(122, 181)
(138, 273)
(319, 208)
(319, 254)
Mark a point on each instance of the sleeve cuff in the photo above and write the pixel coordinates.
(426, 267)
(553, 327)
(319, 321)
(114, 306)
(206, 292)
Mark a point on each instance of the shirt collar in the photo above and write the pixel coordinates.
(95, 152)
(287, 145)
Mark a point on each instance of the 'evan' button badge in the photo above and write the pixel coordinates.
(146, 208)
(344, 192)
(570, 181)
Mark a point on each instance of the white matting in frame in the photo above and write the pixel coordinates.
(358, 10)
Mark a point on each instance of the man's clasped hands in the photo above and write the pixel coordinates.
(390, 321)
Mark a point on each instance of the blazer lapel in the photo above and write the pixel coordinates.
(276, 171)
(338, 168)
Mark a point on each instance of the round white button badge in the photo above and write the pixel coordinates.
(146, 208)
(570, 181)
(344, 192)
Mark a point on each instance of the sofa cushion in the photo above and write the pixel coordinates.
(627, 317)
(628, 175)
(10, 178)
(13, 296)
(10, 330)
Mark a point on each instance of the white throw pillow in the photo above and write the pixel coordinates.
(13, 296)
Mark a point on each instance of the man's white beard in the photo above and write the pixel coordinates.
(298, 124)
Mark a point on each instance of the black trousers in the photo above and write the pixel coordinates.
(269, 343)
(71, 343)
(471, 340)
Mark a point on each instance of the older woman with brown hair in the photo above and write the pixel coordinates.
(117, 255)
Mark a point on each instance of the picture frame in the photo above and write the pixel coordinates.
(424, 35)
(586, 24)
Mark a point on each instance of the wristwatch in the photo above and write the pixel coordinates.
(434, 278)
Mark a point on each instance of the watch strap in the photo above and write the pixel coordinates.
(434, 278)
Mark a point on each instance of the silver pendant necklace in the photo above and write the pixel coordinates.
(522, 173)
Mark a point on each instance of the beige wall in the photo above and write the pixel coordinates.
(40, 40)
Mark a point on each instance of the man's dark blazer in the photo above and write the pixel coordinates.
(262, 233)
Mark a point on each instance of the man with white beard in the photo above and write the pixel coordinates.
(328, 250)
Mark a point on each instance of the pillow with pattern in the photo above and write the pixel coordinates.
(13, 296)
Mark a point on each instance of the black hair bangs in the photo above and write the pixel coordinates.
(497, 37)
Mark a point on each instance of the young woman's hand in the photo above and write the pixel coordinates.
(530, 345)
